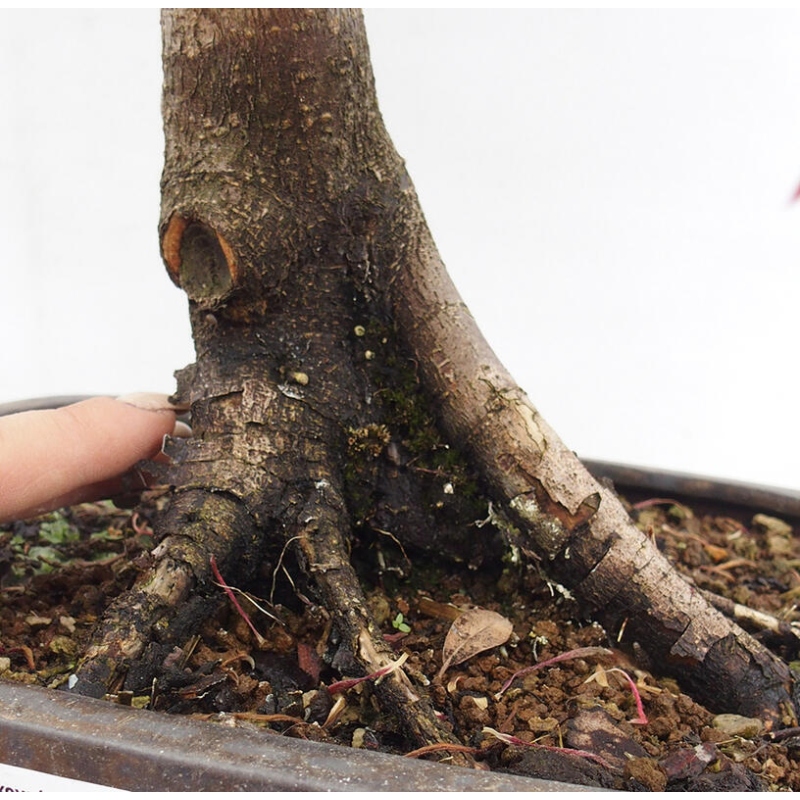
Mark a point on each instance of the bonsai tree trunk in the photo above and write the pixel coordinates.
(335, 358)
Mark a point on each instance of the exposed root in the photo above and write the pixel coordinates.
(324, 556)
(755, 620)
(163, 608)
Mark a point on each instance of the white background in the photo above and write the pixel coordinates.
(610, 191)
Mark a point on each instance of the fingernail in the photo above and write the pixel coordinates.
(152, 401)
(181, 430)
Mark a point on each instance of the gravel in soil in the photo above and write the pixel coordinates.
(575, 720)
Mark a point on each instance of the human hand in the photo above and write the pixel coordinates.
(55, 458)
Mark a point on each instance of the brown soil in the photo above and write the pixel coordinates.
(59, 573)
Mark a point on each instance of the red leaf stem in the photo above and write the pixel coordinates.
(580, 652)
(349, 683)
(642, 717)
(232, 597)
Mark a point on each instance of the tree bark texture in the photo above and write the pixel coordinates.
(313, 282)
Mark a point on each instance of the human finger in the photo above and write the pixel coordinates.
(57, 457)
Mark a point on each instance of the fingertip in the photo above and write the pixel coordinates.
(53, 454)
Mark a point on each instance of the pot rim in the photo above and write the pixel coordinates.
(118, 746)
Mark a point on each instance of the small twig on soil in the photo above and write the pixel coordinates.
(280, 566)
(25, 650)
(508, 739)
(750, 617)
(396, 541)
(713, 551)
(779, 736)
(432, 608)
(256, 601)
(238, 657)
(721, 570)
(732, 564)
(349, 683)
(439, 746)
(580, 652)
(232, 597)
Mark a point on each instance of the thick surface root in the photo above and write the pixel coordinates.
(167, 603)
(323, 554)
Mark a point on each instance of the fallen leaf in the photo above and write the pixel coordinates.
(472, 632)
(598, 676)
(685, 763)
(594, 730)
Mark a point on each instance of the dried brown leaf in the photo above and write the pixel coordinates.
(474, 631)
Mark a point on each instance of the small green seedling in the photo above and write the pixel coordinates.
(399, 625)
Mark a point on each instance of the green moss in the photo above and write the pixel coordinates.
(58, 530)
(370, 439)
(408, 411)
(405, 419)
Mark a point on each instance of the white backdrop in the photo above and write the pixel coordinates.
(609, 189)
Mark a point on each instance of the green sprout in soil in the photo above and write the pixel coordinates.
(399, 625)
(45, 551)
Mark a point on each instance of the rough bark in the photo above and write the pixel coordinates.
(314, 285)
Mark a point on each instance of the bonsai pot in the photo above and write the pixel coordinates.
(59, 734)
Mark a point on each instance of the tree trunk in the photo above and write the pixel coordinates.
(327, 332)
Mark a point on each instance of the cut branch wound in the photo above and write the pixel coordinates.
(199, 260)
